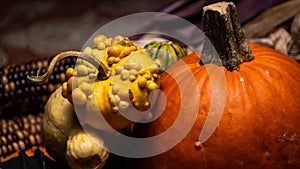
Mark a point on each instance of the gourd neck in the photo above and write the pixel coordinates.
(222, 27)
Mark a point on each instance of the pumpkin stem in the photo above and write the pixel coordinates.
(222, 27)
(104, 72)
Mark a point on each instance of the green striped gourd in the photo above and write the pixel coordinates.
(166, 53)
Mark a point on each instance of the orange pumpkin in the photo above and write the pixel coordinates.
(261, 119)
(260, 125)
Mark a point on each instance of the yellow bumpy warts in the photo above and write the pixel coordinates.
(124, 94)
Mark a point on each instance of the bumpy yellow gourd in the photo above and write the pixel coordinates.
(133, 75)
(111, 81)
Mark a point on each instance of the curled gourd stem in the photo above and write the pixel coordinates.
(103, 74)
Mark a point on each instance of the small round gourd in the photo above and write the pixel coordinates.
(167, 53)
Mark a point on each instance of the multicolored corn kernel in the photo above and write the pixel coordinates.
(15, 85)
(19, 133)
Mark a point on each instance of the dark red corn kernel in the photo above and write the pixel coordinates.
(27, 143)
(9, 138)
(38, 139)
(20, 123)
(4, 131)
(10, 129)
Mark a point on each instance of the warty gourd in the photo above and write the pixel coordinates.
(114, 80)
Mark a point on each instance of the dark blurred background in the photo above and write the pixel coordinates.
(35, 29)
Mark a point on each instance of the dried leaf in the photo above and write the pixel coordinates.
(295, 29)
(295, 52)
(297, 58)
(268, 42)
(282, 40)
(271, 18)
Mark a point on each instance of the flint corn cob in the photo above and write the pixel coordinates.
(16, 91)
(19, 133)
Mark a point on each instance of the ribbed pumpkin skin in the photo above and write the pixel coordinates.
(260, 126)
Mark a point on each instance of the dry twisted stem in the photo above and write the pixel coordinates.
(104, 72)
